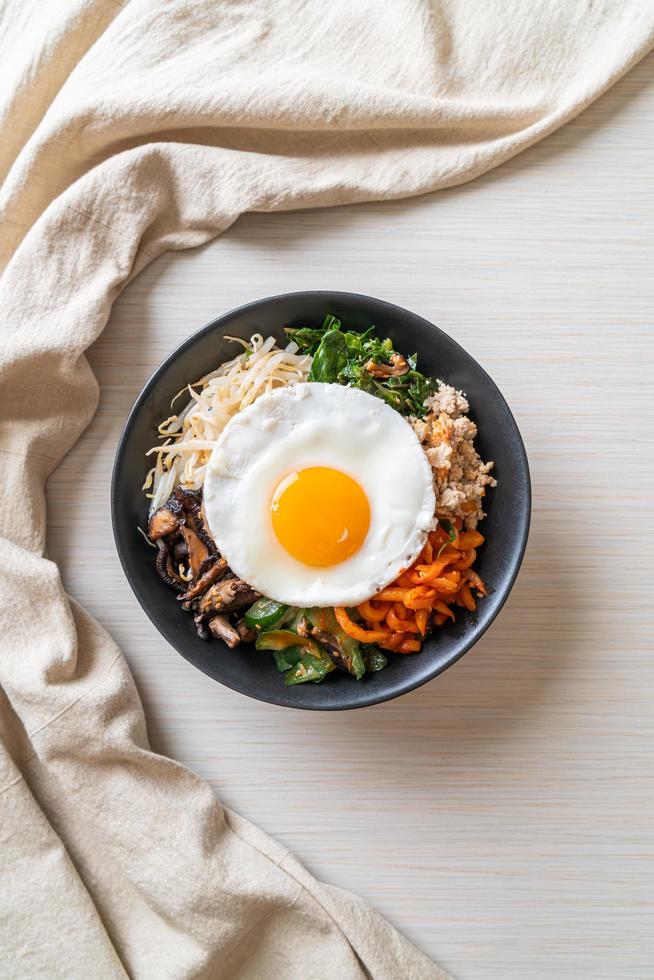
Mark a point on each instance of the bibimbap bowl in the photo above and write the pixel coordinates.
(256, 672)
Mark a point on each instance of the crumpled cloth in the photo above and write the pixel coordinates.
(129, 129)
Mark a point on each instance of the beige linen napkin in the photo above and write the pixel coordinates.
(133, 128)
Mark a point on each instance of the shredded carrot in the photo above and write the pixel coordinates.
(433, 570)
(466, 560)
(467, 599)
(409, 646)
(393, 642)
(444, 610)
(469, 539)
(422, 619)
(419, 598)
(374, 614)
(399, 616)
(392, 595)
(475, 582)
(401, 625)
(356, 632)
(401, 610)
(446, 584)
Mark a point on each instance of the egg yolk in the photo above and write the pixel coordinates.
(320, 516)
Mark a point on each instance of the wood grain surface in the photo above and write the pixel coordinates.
(502, 815)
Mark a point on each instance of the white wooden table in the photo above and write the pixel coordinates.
(501, 816)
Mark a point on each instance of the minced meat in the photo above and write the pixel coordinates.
(460, 476)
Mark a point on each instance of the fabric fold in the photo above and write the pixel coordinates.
(129, 130)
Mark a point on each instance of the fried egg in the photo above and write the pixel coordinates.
(319, 495)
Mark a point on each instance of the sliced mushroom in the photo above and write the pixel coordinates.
(201, 627)
(226, 596)
(398, 366)
(186, 499)
(162, 523)
(184, 506)
(166, 568)
(178, 550)
(197, 550)
(180, 532)
(212, 574)
(248, 634)
(222, 629)
(191, 503)
(201, 529)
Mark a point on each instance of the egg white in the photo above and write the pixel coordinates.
(314, 424)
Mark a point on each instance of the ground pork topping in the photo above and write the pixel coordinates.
(460, 476)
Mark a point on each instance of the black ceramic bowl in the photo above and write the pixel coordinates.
(508, 506)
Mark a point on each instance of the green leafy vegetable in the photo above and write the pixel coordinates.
(343, 649)
(331, 358)
(342, 357)
(374, 658)
(283, 639)
(310, 668)
(419, 390)
(310, 658)
(308, 338)
(265, 613)
(449, 527)
(285, 659)
(331, 323)
(300, 657)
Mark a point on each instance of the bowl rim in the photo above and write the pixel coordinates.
(341, 297)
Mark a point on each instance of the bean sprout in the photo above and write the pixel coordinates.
(189, 436)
